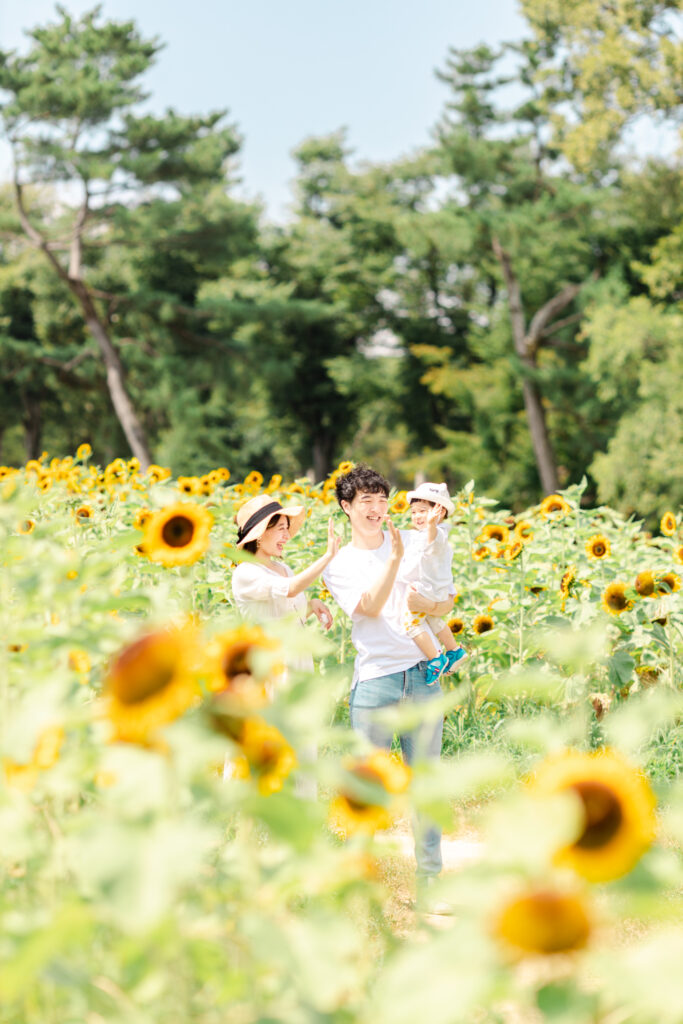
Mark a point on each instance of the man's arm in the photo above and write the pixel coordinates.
(374, 599)
(418, 603)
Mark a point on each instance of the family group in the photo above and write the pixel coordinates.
(395, 586)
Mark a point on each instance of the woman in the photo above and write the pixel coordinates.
(269, 589)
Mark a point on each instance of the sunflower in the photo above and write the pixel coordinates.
(513, 550)
(269, 756)
(45, 754)
(79, 661)
(83, 514)
(668, 583)
(567, 581)
(554, 504)
(345, 467)
(479, 554)
(273, 483)
(482, 624)
(253, 480)
(178, 534)
(151, 683)
(667, 524)
(456, 626)
(494, 531)
(364, 803)
(644, 584)
(523, 531)
(26, 526)
(239, 662)
(618, 806)
(400, 503)
(188, 484)
(678, 554)
(157, 473)
(598, 546)
(543, 921)
(83, 452)
(614, 599)
(142, 516)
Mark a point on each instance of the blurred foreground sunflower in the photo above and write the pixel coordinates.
(618, 811)
(543, 921)
(178, 534)
(45, 754)
(239, 663)
(365, 801)
(151, 683)
(267, 753)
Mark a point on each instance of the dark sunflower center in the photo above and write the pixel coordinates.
(178, 532)
(617, 599)
(603, 812)
(599, 549)
(236, 662)
(484, 627)
(144, 669)
(365, 774)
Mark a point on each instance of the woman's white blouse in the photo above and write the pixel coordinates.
(260, 593)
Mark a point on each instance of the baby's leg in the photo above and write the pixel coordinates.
(426, 644)
(445, 636)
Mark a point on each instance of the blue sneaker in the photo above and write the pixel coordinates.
(436, 668)
(453, 657)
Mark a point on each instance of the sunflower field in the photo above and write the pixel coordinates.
(163, 858)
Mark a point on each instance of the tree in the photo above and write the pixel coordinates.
(606, 64)
(145, 184)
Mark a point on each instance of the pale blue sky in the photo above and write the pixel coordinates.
(290, 70)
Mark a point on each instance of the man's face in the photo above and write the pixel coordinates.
(367, 512)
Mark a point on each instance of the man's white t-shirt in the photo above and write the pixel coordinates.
(381, 645)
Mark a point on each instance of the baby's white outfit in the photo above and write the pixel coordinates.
(428, 568)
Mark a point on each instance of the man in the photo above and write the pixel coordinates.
(390, 668)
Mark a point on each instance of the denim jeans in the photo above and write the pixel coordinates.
(423, 742)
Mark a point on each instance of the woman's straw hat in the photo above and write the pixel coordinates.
(253, 518)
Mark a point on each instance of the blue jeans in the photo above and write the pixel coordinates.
(423, 742)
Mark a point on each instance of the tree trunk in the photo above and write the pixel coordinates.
(121, 401)
(33, 425)
(322, 456)
(527, 343)
(545, 457)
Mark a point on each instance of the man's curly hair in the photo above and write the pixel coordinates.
(360, 479)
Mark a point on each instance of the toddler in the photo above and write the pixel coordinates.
(427, 567)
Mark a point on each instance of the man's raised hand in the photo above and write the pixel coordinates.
(396, 541)
(333, 541)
